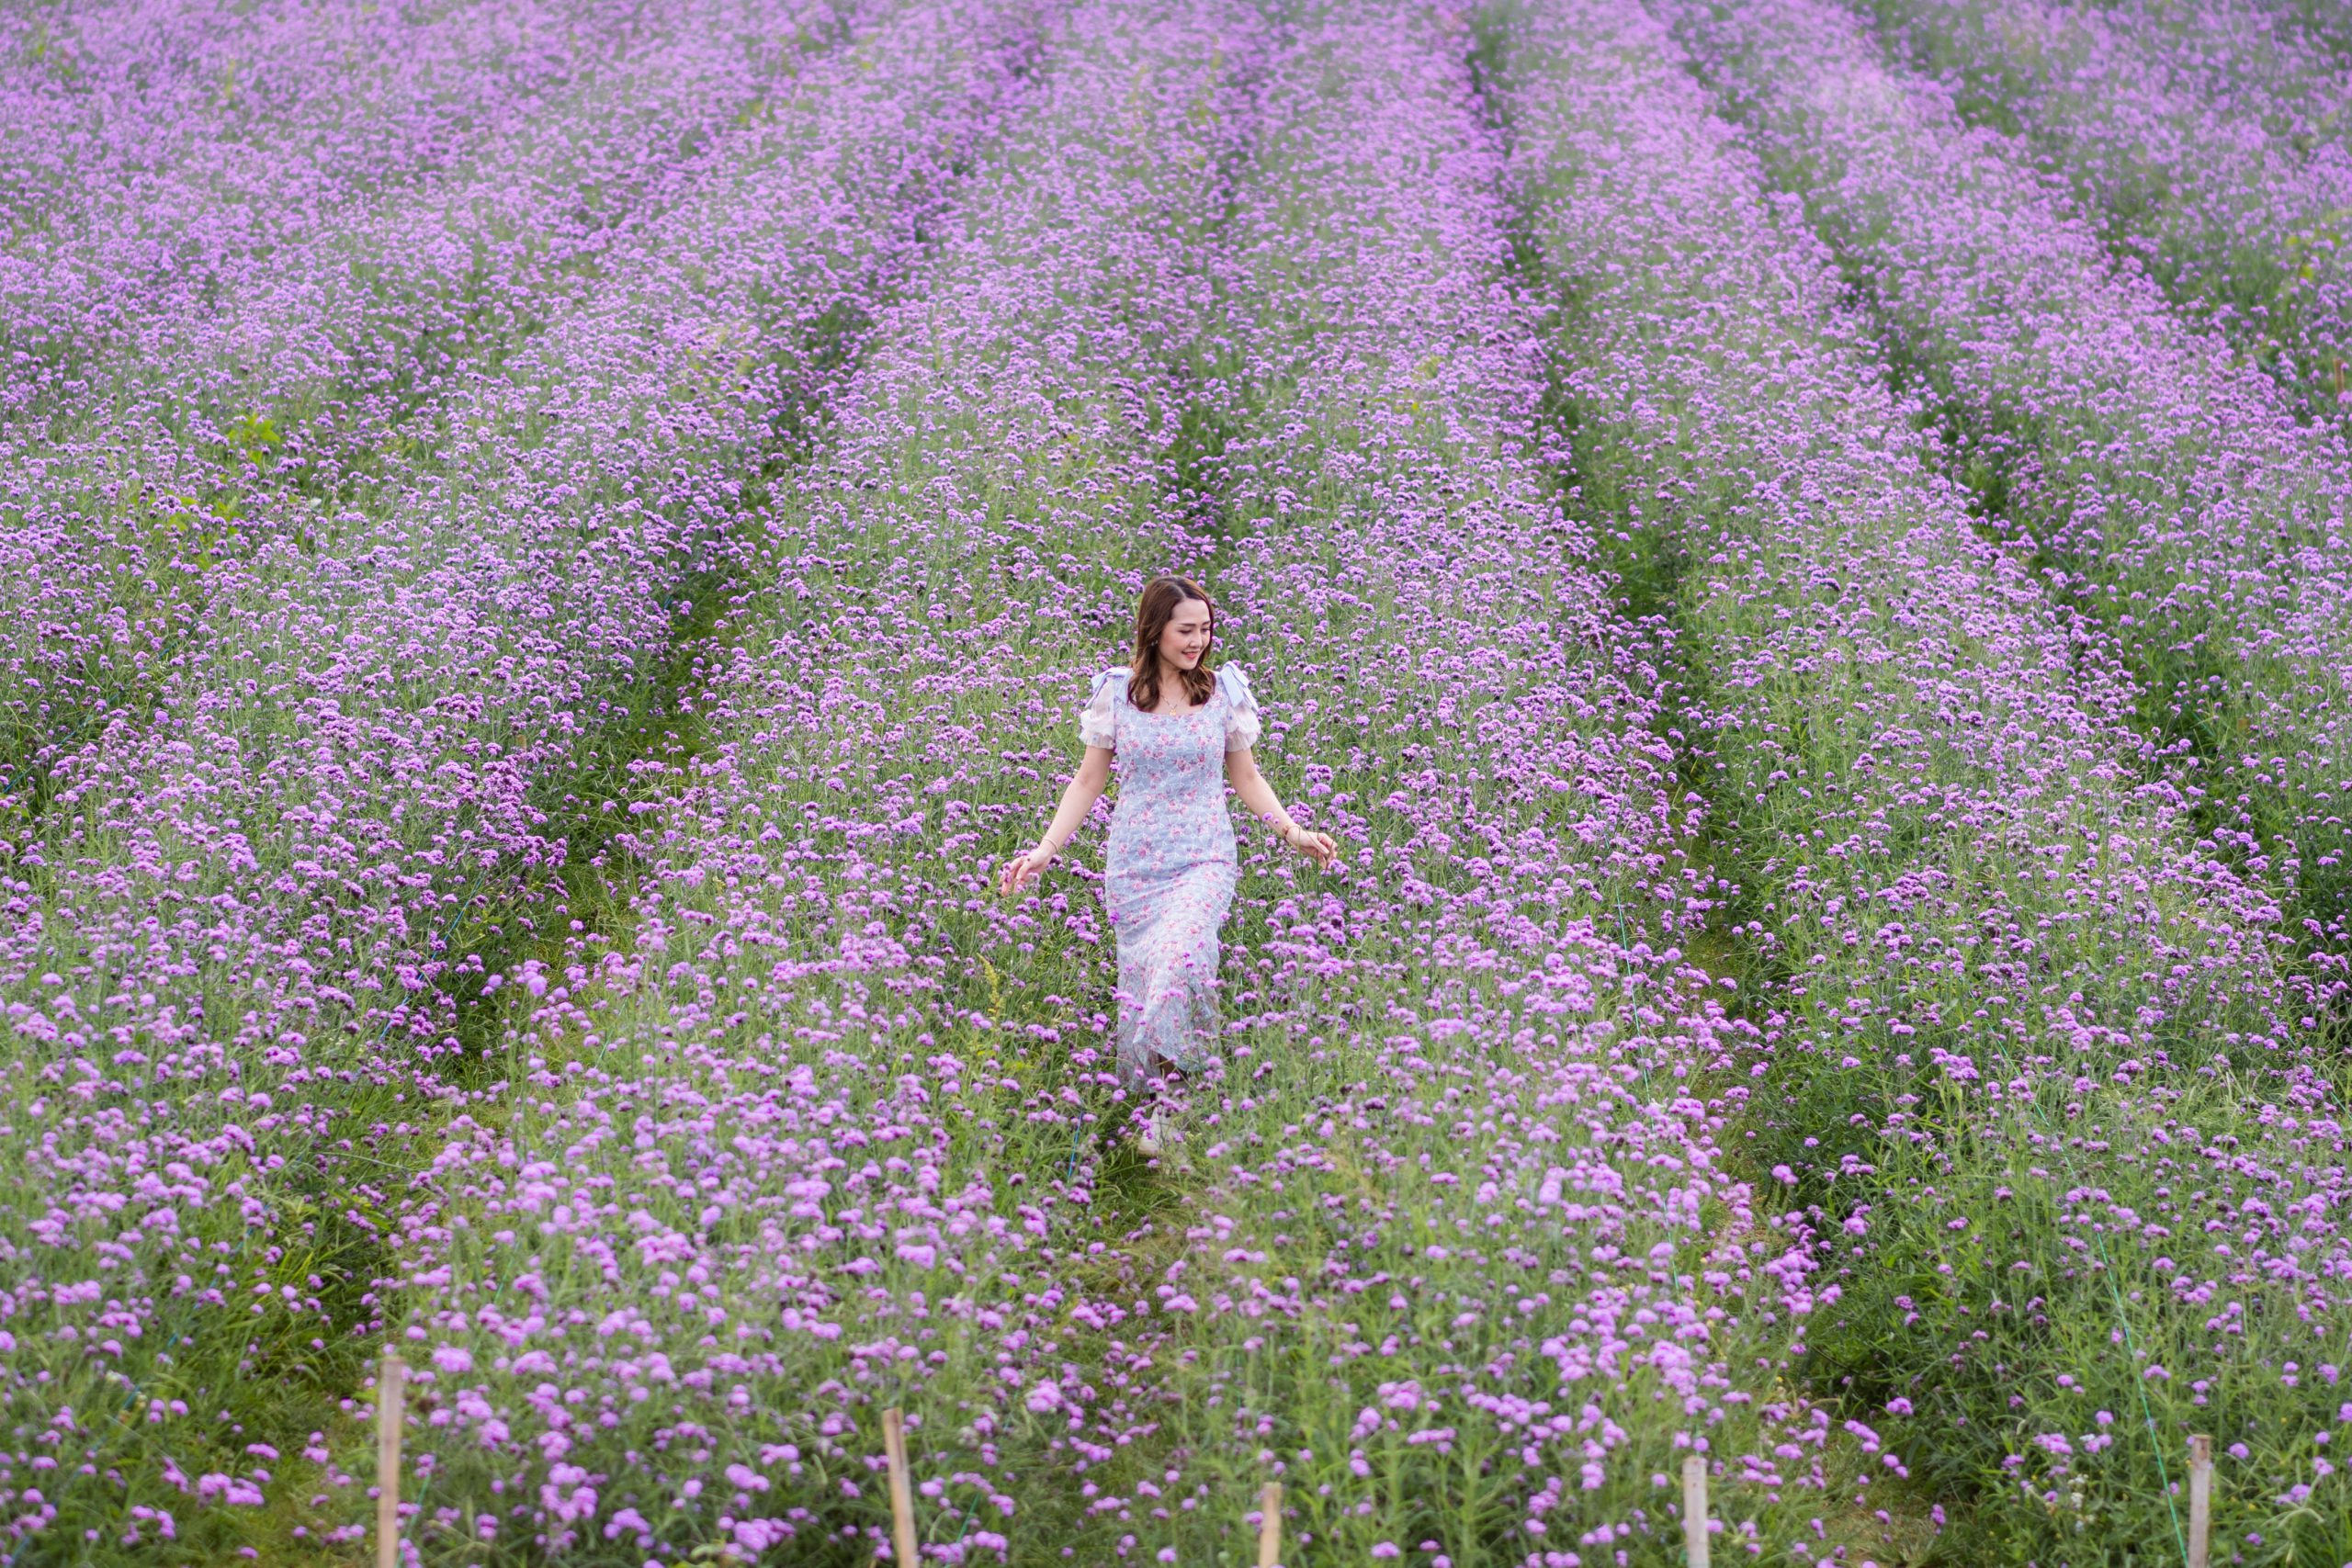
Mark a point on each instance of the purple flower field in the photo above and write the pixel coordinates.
(1803, 549)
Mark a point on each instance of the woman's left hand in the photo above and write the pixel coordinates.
(1320, 847)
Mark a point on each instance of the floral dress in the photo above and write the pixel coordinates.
(1170, 874)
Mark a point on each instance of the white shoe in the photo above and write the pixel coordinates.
(1149, 1143)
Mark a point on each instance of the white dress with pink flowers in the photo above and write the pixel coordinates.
(1170, 874)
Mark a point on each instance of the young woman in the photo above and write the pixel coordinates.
(1180, 733)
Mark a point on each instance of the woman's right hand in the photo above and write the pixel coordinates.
(1320, 847)
(1021, 870)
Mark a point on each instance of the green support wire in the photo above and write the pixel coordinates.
(2155, 1441)
(2131, 1351)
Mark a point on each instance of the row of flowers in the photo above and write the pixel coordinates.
(181, 398)
(1471, 1271)
(822, 1133)
(2210, 144)
(173, 167)
(2174, 497)
(2026, 1032)
(249, 930)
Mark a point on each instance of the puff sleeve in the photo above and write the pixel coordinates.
(1241, 722)
(1097, 723)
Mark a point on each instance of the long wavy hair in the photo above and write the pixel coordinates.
(1162, 597)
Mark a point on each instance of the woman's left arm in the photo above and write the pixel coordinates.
(1241, 772)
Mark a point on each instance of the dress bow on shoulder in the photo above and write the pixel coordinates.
(1097, 723)
(1242, 727)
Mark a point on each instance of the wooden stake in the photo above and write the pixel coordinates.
(903, 1497)
(1694, 1510)
(1270, 1524)
(2201, 1502)
(391, 1390)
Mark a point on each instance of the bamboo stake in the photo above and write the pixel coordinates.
(1694, 1510)
(391, 1385)
(903, 1497)
(1270, 1524)
(2200, 1501)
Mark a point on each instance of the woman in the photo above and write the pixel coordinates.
(1170, 874)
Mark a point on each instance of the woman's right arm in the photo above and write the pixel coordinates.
(1085, 788)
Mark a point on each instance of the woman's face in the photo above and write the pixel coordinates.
(1185, 640)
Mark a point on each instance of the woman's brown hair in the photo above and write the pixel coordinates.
(1162, 598)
